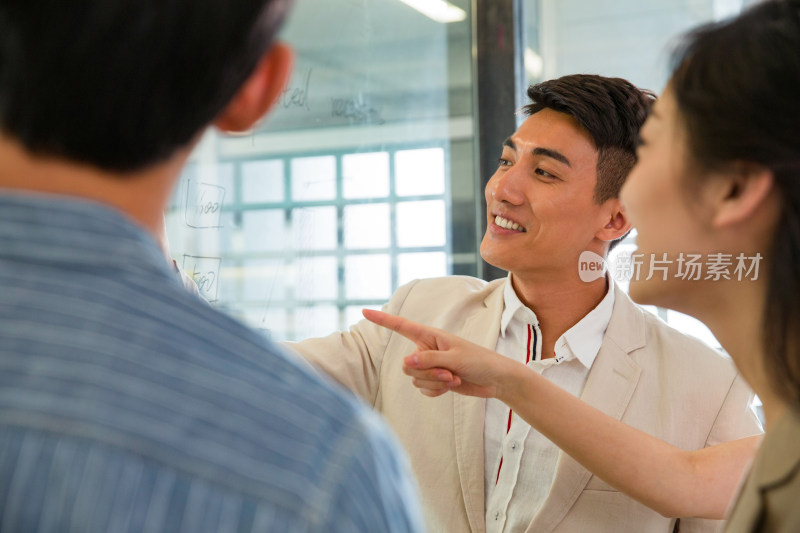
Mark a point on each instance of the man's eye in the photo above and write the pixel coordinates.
(504, 162)
(544, 173)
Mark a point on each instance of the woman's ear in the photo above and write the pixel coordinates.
(744, 189)
(259, 92)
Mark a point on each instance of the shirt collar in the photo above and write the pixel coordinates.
(514, 308)
(585, 338)
(581, 341)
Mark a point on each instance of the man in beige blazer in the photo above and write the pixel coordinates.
(553, 197)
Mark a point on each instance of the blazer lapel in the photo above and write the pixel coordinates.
(481, 327)
(609, 387)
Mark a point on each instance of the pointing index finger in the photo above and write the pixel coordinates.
(421, 335)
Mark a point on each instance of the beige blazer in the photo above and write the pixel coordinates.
(770, 499)
(646, 374)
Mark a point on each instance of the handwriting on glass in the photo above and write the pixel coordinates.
(297, 96)
(356, 110)
(204, 202)
(205, 273)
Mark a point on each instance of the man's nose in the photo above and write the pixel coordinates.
(505, 187)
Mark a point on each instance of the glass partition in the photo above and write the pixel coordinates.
(361, 179)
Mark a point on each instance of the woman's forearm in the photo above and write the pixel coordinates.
(672, 481)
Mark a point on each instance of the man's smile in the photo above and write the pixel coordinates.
(508, 224)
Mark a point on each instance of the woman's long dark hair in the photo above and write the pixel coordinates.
(737, 86)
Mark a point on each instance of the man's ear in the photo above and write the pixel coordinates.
(259, 92)
(617, 223)
(741, 192)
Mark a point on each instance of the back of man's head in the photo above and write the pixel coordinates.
(122, 84)
(611, 110)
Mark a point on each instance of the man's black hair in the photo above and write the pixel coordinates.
(611, 110)
(122, 84)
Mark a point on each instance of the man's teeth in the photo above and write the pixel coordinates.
(507, 224)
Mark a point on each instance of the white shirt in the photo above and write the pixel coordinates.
(516, 489)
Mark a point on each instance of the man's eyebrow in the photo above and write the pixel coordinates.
(558, 156)
(546, 152)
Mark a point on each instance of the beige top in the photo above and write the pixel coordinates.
(770, 498)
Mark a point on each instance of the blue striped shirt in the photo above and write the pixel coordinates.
(126, 404)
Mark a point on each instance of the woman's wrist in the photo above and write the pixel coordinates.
(511, 383)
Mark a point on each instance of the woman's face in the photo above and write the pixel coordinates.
(668, 214)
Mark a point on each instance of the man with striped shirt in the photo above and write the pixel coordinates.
(126, 404)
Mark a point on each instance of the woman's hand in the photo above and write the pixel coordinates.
(446, 362)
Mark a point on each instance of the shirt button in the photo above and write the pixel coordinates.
(497, 515)
(513, 445)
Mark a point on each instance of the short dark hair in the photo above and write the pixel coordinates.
(736, 87)
(611, 110)
(122, 84)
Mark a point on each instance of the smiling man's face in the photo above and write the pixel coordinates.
(540, 202)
